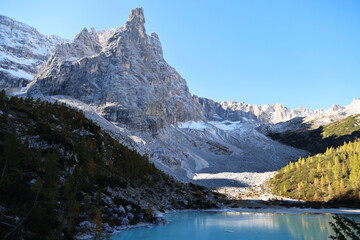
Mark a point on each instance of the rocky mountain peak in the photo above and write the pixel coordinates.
(136, 16)
(86, 36)
(22, 50)
(154, 41)
(136, 22)
(126, 77)
(356, 101)
(85, 44)
(355, 104)
(336, 107)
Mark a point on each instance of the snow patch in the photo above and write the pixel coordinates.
(200, 125)
(227, 125)
(72, 59)
(19, 73)
(23, 61)
(138, 140)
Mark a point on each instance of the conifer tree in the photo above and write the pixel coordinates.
(99, 227)
(150, 210)
(342, 187)
(92, 167)
(74, 214)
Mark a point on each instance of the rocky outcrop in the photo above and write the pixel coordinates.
(22, 51)
(126, 76)
(215, 111)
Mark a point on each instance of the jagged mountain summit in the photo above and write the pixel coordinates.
(122, 76)
(276, 113)
(126, 76)
(120, 79)
(22, 50)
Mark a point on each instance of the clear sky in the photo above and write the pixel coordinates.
(295, 52)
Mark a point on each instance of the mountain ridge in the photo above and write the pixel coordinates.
(120, 75)
(22, 72)
(127, 81)
(130, 60)
(22, 50)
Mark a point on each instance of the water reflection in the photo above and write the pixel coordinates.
(246, 220)
(230, 225)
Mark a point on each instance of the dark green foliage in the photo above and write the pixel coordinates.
(344, 228)
(67, 163)
(99, 229)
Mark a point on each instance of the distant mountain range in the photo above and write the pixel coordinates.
(120, 79)
(22, 51)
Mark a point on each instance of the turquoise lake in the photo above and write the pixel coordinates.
(234, 225)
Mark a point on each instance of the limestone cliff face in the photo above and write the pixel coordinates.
(120, 77)
(124, 74)
(22, 51)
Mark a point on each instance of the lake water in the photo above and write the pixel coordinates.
(234, 225)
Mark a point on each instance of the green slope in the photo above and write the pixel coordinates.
(342, 127)
(318, 140)
(333, 175)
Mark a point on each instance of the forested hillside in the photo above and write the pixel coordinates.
(318, 140)
(333, 175)
(343, 127)
(61, 175)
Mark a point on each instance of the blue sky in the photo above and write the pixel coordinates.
(298, 53)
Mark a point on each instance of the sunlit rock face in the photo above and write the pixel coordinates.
(124, 74)
(22, 51)
(120, 79)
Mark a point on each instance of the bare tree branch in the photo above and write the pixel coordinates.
(8, 224)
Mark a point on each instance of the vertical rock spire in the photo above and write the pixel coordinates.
(136, 21)
(137, 15)
(135, 26)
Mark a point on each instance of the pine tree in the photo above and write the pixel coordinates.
(74, 214)
(316, 196)
(11, 179)
(329, 165)
(99, 227)
(51, 182)
(322, 182)
(336, 171)
(86, 202)
(68, 186)
(92, 167)
(150, 210)
(342, 187)
(318, 168)
(330, 191)
(316, 181)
